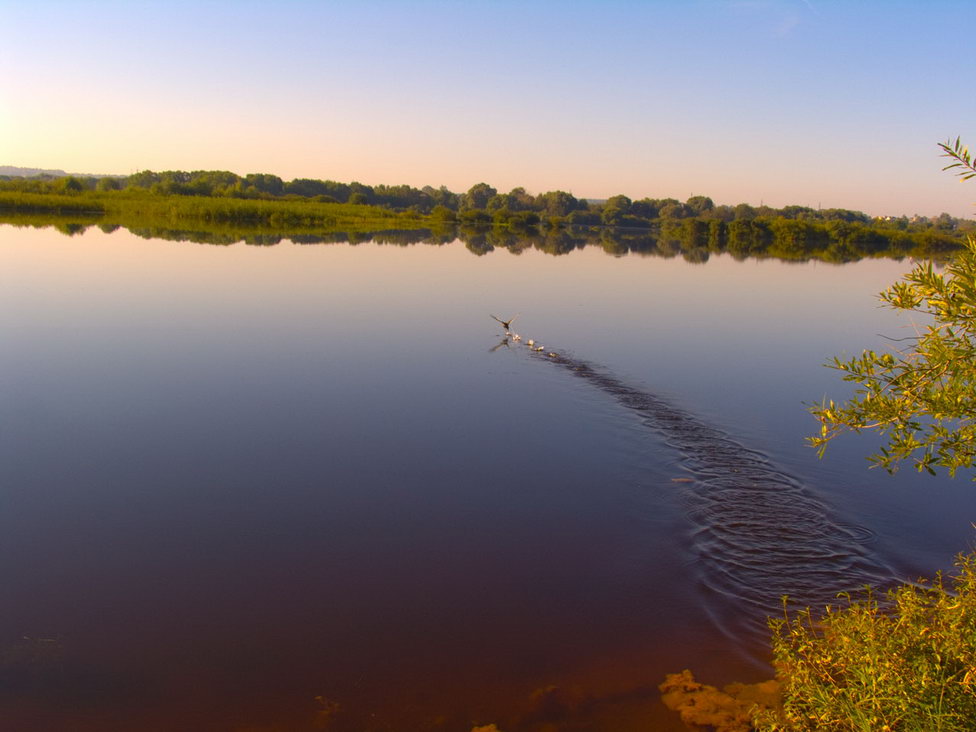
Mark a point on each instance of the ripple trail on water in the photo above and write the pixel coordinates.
(758, 533)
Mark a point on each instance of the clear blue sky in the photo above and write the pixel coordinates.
(813, 102)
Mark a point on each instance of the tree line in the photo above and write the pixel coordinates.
(480, 204)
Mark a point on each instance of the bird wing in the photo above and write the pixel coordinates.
(498, 319)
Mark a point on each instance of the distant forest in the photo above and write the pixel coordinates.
(267, 201)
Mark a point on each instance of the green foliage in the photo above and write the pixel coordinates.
(69, 185)
(474, 216)
(317, 219)
(744, 212)
(700, 204)
(645, 208)
(443, 213)
(139, 208)
(674, 210)
(521, 220)
(265, 183)
(616, 210)
(55, 203)
(477, 197)
(210, 202)
(960, 154)
(552, 206)
(558, 203)
(922, 398)
(906, 664)
(584, 218)
(108, 184)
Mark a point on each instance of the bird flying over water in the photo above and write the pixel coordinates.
(506, 323)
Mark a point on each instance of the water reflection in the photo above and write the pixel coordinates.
(693, 245)
(235, 479)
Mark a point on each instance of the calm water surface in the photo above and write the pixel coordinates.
(235, 479)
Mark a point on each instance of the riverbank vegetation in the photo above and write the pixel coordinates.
(220, 204)
(134, 208)
(921, 397)
(907, 662)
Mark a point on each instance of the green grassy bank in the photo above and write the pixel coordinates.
(136, 208)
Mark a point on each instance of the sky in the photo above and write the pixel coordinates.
(832, 103)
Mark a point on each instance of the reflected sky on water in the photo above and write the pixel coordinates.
(236, 478)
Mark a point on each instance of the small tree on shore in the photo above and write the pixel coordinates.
(922, 397)
(909, 661)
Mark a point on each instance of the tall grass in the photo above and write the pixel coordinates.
(907, 663)
(141, 208)
(51, 203)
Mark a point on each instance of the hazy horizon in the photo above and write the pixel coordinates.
(782, 102)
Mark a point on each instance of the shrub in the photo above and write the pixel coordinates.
(908, 663)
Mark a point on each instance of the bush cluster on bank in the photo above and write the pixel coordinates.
(798, 239)
(903, 662)
(483, 201)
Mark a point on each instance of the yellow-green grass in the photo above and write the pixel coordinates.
(140, 208)
(907, 663)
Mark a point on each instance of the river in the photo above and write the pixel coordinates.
(316, 486)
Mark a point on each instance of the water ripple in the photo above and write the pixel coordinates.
(758, 532)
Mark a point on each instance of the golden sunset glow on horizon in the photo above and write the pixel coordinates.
(777, 102)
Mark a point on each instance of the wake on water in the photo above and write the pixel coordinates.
(758, 533)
